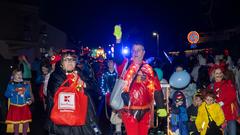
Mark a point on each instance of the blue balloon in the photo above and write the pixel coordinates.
(179, 79)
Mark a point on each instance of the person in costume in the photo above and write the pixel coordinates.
(107, 82)
(192, 114)
(142, 88)
(226, 98)
(18, 93)
(66, 71)
(54, 59)
(209, 111)
(189, 90)
(178, 116)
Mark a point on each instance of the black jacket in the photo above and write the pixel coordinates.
(55, 80)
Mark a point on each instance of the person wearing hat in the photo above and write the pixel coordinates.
(178, 115)
(67, 74)
(54, 59)
(226, 97)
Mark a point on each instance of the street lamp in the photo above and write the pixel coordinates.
(155, 34)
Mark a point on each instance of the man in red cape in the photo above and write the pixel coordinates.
(143, 87)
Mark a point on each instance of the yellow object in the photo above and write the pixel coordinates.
(10, 128)
(162, 112)
(118, 32)
(202, 118)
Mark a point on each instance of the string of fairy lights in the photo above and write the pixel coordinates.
(103, 83)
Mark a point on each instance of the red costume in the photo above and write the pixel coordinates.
(141, 97)
(226, 93)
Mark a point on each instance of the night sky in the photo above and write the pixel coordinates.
(92, 22)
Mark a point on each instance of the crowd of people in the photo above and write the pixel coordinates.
(75, 91)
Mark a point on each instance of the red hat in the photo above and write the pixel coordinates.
(55, 59)
(179, 96)
(221, 66)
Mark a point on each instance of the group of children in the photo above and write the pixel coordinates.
(204, 116)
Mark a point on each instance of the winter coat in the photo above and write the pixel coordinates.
(202, 118)
(226, 93)
(55, 80)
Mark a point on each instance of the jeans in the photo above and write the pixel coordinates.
(231, 128)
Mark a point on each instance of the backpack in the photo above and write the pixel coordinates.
(70, 105)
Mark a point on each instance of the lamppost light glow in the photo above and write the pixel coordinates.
(155, 33)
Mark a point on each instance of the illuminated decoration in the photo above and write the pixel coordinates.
(96, 53)
(105, 90)
(132, 70)
(85, 51)
(125, 51)
(118, 33)
(193, 38)
(110, 51)
(129, 76)
(168, 58)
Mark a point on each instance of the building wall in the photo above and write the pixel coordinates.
(22, 31)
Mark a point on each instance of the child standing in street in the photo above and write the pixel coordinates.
(192, 114)
(178, 116)
(210, 116)
(18, 93)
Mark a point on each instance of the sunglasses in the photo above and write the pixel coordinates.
(69, 59)
(179, 100)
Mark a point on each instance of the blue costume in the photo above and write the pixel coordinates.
(107, 81)
(19, 96)
(12, 94)
(179, 117)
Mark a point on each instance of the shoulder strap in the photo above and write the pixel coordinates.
(209, 115)
(68, 80)
(135, 76)
(64, 82)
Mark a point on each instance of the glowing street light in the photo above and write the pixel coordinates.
(155, 34)
(125, 51)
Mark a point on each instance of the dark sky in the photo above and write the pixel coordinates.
(92, 22)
